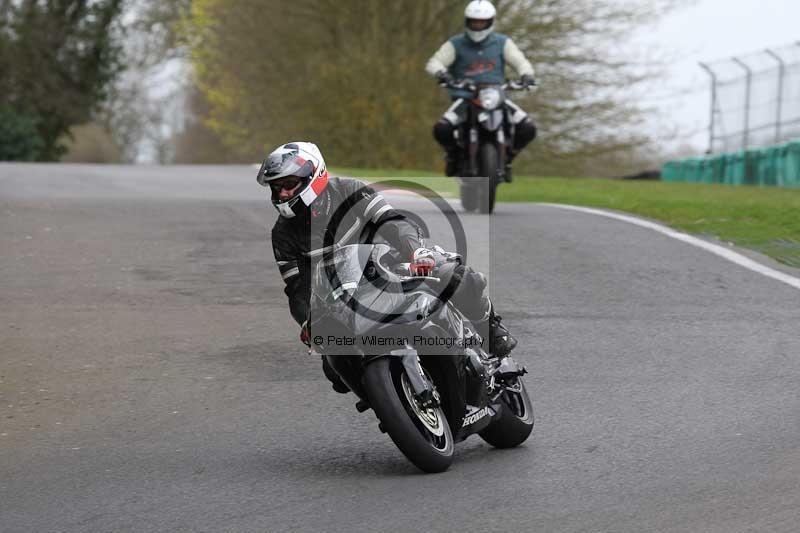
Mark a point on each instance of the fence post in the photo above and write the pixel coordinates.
(746, 133)
(712, 122)
(781, 77)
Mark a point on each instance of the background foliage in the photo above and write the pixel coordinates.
(221, 81)
(19, 139)
(349, 76)
(57, 59)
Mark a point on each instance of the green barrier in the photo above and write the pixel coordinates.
(776, 166)
(734, 168)
(788, 175)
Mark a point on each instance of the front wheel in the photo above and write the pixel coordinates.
(469, 197)
(490, 171)
(422, 434)
(516, 420)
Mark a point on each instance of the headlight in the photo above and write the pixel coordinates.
(489, 97)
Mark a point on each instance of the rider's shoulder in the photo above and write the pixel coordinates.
(280, 227)
(350, 189)
(499, 38)
(458, 39)
(281, 234)
(347, 184)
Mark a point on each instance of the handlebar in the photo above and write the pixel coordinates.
(515, 85)
(510, 85)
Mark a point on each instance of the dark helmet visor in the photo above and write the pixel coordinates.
(479, 24)
(282, 165)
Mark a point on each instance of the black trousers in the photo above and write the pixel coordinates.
(524, 134)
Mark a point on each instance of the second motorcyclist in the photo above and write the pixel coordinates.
(481, 55)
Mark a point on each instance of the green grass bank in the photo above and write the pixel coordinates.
(760, 218)
(764, 219)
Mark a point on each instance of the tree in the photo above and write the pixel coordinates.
(589, 120)
(198, 144)
(349, 75)
(57, 58)
(145, 104)
(19, 140)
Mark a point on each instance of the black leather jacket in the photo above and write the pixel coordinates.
(347, 212)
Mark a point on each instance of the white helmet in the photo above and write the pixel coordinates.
(302, 160)
(477, 13)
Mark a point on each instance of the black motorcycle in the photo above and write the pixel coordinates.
(412, 357)
(484, 141)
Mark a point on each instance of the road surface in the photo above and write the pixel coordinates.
(151, 378)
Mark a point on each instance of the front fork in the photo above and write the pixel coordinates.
(473, 145)
(473, 151)
(422, 388)
(501, 152)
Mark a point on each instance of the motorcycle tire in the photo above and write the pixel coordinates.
(469, 197)
(515, 423)
(488, 169)
(412, 428)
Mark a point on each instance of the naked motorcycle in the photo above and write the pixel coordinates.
(484, 141)
(383, 332)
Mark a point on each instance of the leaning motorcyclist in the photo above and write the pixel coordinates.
(481, 55)
(314, 206)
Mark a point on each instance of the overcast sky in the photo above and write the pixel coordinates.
(711, 30)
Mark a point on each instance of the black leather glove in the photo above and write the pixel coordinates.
(444, 77)
(527, 80)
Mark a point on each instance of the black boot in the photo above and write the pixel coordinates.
(500, 340)
(336, 382)
(510, 156)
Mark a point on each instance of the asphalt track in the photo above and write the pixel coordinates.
(151, 380)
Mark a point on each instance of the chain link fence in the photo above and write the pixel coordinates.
(755, 99)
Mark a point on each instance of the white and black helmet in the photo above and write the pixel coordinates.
(476, 15)
(302, 160)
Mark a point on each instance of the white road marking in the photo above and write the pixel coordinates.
(715, 249)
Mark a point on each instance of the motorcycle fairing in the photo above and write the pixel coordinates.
(356, 272)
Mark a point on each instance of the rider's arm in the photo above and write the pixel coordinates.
(382, 219)
(514, 57)
(295, 272)
(400, 233)
(444, 57)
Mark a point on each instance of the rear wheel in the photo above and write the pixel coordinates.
(490, 171)
(516, 420)
(421, 433)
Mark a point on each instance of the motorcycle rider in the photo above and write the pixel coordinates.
(479, 54)
(313, 206)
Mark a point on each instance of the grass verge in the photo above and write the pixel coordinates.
(764, 219)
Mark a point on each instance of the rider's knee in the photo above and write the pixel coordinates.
(443, 132)
(526, 131)
(476, 280)
(471, 282)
